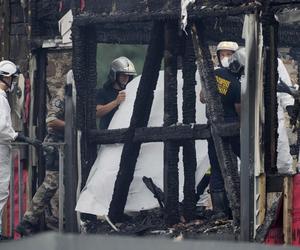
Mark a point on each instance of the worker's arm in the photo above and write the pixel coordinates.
(202, 96)
(56, 124)
(102, 110)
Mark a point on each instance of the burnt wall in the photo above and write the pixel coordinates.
(44, 18)
(106, 7)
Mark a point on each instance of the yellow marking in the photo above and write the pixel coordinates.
(223, 85)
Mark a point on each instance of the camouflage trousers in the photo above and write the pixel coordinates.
(47, 194)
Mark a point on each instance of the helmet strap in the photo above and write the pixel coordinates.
(5, 82)
(122, 87)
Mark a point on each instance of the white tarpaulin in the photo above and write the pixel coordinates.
(96, 196)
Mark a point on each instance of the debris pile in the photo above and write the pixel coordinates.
(151, 222)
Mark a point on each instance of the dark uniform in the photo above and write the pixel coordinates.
(46, 192)
(230, 91)
(106, 95)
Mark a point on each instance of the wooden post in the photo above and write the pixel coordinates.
(249, 132)
(70, 164)
(270, 36)
(140, 117)
(171, 149)
(287, 209)
(41, 108)
(189, 117)
(85, 75)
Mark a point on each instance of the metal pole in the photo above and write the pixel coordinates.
(11, 197)
(20, 185)
(61, 188)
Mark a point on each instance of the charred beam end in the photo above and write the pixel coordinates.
(158, 134)
(140, 117)
(171, 149)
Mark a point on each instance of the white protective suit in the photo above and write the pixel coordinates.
(7, 134)
(284, 158)
(96, 196)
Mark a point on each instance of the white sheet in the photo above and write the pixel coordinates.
(96, 196)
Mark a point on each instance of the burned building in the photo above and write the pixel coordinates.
(151, 22)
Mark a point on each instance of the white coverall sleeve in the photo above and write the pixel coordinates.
(7, 133)
(284, 99)
(284, 159)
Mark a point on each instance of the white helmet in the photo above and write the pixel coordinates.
(8, 69)
(227, 45)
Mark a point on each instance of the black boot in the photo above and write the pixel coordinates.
(25, 228)
(220, 205)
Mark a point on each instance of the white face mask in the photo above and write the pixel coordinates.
(225, 62)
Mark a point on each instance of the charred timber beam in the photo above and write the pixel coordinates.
(270, 36)
(171, 149)
(161, 15)
(140, 118)
(158, 134)
(41, 109)
(189, 117)
(84, 68)
(215, 115)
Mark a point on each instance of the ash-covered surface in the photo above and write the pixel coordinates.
(151, 223)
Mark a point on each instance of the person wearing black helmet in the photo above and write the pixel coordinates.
(229, 87)
(112, 94)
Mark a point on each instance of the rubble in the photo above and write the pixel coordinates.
(151, 223)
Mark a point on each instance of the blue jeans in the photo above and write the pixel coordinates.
(216, 178)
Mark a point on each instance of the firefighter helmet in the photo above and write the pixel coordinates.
(121, 65)
(227, 45)
(8, 68)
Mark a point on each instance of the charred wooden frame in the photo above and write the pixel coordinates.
(140, 117)
(157, 134)
(109, 15)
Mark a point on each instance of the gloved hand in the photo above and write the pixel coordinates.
(292, 112)
(34, 142)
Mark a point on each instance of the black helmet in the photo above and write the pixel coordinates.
(237, 62)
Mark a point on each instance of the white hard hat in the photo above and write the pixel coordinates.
(8, 68)
(228, 45)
